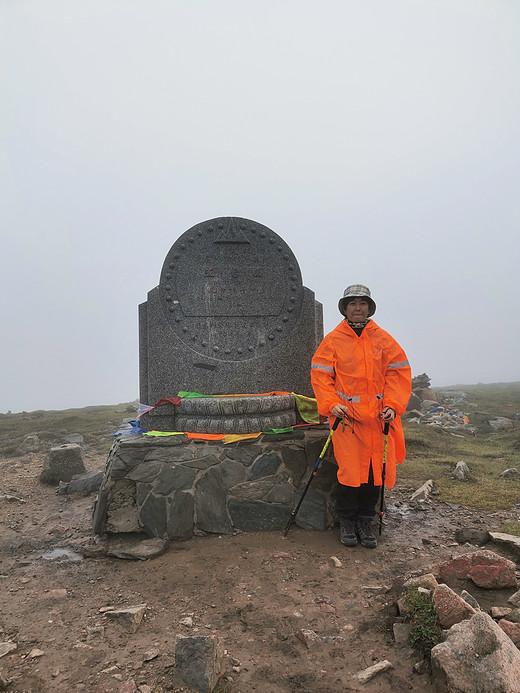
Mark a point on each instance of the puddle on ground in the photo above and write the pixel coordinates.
(64, 554)
(401, 511)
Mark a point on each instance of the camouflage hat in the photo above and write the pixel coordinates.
(357, 291)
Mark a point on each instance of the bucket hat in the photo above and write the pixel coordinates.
(357, 291)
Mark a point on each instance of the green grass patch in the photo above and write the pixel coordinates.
(426, 631)
(511, 528)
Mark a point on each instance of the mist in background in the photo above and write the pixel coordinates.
(380, 139)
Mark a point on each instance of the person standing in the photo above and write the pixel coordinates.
(360, 374)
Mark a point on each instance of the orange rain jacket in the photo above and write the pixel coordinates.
(366, 373)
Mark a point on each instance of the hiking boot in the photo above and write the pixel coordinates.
(347, 532)
(366, 533)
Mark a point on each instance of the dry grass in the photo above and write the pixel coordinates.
(433, 452)
(95, 424)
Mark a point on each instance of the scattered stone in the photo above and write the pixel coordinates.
(402, 607)
(514, 616)
(461, 471)
(151, 654)
(470, 599)
(485, 568)
(497, 612)
(62, 463)
(186, 621)
(127, 687)
(427, 581)
(136, 549)
(421, 667)
(74, 438)
(369, 673)
(30, 443)
(54, 594)
(327, 608)
(500, 423)
(309, 638)
(402, 634)
(6, 647)
(423, 492)
(471, 535)
(512, 630)
(130, 618)
(510, 540)
(450, 607)
(336, 562)
(510, 473)
(477, 655)
(514, 599)
(94, 550)
(35, 653)
(12, 499)
(82, 484)
(199, 661)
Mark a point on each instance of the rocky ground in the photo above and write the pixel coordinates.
(255, 592)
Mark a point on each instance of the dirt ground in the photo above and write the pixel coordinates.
(253, 591)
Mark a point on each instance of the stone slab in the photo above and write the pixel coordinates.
(230, 315)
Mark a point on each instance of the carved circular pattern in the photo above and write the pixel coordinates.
(231, 289)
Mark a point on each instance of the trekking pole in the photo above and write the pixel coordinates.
(381, 512)
(314, 471)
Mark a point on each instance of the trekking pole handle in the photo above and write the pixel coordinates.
(386, 429)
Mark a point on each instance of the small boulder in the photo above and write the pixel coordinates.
(199, 661)
(450, 608)
(461, 471)
(423, 492)
(74, 438)
(512, 630)
(130, 618)
(500, 423)
(30, 443)
(485, 568)
(471, 535)
(510, 473)
(477, 655)
(63, 462)
(82, 484)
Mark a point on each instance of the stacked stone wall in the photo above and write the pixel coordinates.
(173, 487)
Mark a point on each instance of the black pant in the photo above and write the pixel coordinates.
(353, 502)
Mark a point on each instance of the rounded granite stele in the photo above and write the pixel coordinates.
(231, 289)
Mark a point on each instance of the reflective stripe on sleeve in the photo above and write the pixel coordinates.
(399, 364)
(321, 367)
(348, 398)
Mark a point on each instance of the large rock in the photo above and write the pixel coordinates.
(199, 661)
(82, 484)
(63, 462)
(500, 423)
(485, 568)
(450, 608)
(477, 656)
(511, 629)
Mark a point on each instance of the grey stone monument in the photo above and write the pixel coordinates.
(230, 316)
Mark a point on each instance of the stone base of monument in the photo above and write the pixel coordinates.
(173, 487)
(238, 414)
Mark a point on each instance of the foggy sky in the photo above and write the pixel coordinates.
(379, 139)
